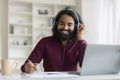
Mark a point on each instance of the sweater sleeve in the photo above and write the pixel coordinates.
(82, 46)
(37, 53)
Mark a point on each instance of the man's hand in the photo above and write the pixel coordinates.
(81, 32)
(30, 67)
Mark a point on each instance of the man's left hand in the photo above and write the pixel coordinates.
(81, 32)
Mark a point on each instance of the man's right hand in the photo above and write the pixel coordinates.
(30, 67)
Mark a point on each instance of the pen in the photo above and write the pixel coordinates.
(32, 63)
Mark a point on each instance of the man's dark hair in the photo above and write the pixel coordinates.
(74, 15)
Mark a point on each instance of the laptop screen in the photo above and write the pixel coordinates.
(101, 59)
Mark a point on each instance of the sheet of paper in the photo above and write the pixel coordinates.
(50, 74)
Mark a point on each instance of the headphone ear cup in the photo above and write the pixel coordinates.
(55, 24)
(76, 26)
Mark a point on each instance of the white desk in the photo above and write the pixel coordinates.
(23, 77)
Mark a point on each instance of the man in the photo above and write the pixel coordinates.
(64, 49)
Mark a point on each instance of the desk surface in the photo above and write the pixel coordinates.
(49, 77)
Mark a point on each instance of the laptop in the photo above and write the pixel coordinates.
(101, 60)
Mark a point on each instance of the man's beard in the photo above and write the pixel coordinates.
(61, 36)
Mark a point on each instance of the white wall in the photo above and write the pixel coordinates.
(0, 29)
(79, 6)
(90, 14)
(4, 27)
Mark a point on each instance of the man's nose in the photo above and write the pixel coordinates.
(65, 26)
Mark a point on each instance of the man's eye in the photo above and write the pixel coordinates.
(61, 23)
(70, 24)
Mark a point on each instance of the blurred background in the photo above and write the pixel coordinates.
(24, 22)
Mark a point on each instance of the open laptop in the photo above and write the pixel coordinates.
(101, 60)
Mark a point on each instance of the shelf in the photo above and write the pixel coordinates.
(28, 22)
(20, 35)
(20, 46)
(21, 59)
(20, 13)
(21, 24)
(42, 28)
(44, 15)
(18, 59)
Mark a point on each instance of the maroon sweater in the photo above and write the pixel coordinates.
(56, 57)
